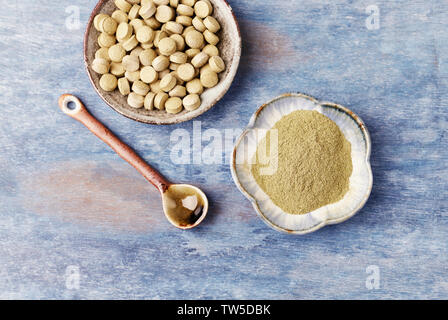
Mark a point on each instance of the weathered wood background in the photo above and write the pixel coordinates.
(68, 203)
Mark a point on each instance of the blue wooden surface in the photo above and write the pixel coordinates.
(68, 200)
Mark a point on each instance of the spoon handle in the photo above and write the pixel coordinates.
(80, 113)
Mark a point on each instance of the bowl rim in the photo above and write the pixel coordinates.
(168, 121)
(327, 221)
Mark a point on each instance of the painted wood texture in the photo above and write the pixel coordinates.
(68, 200)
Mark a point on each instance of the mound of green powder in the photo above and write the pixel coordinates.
(313, 165)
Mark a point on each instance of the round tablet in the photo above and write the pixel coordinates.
(120, 16)
(160, 63)
(98, 20)
(167, 46)
(164, 13)
(135, 100)
(191, 102)
(174, 27)
(131, 63)
(133, 13)
(147, 56)
(168, 82)
(124, 31)
(155, 86)
(149, 101)
(194, 39)
(147, 10)
(217, 64)
(106, 40)
(148, 74)
(210, 37)
(192, 52)
(212, 24)
(132, 76)
(145, 34)
(178, 91)
(100, 66)
(123, 86)
(209, 79)
(198, 23)
(123, 5)
(102, 53)
(185, 72)
(185, 10)
(136, 24)
(108, 82)
(211, 50)
(136, 51)
(116, 53)
(184, 20)
(173, 105)
(140, 87)
(109, 25)
(152, 22)
(160, 99)
(202, 9)
(179, 57)
(200, 59)
(130, 44)
(195, 86)
(116, 68)
(180, 41)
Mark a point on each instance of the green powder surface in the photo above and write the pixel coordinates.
(314, 163)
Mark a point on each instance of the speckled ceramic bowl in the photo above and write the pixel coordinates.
(361, 179)
(230, 50)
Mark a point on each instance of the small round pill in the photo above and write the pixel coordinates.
(102, 53)
(185, 10)
(174, 27)
(210, 37)
(195, 86)
(200, 59)
(180, 41)
(161, 2)
(186, 72)
(147, 10)
(136, 51)
(178, 91)
(174, 3)
(160, 100)
(192, 52)
(212, 24)
(209, 79)
(116, 53)
(147, 56)
(194, 39)
(106, 40)
(202, 9)
(184, 20)
(123, 5)
(109, 25)
(148, 45)
(130, 44)
(198, 23)
(167, 46)
(97, 21)
(160, 63)
(168, 82)
(164, 13)
(188, 2)
(123, 86)
(116, 68)
(137, 24)
(163, 73)
(155, 86)
(108, 82)
(148, 74)
(133, 13)
(124, 31)
(132, 76)
(217, 64)
(145, 34)
(120, 16)
(173, 105)
(131, 63)
(191, 102)
(159, 35)
(153, 23)
(179, 57)
(140, 87)
(211, 50)
(100, 66)
(135, 100)
(149, 101)
(186, 30)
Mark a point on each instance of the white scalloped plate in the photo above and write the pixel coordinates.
(361, 179)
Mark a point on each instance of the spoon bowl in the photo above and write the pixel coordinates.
(185, 206)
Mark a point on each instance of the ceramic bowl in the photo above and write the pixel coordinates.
(230, 50)
(361, 179)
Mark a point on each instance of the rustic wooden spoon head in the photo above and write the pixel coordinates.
(230, 50)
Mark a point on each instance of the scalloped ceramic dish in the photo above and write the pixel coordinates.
(361, 179)
(229, 47)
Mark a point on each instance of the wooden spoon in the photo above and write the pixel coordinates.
(185, 206)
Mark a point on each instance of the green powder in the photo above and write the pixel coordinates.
(313, 166)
